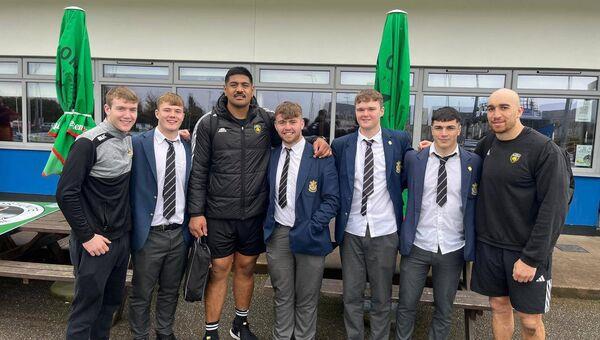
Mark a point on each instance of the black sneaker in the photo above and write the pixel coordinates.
(241, 331)
(211, 336)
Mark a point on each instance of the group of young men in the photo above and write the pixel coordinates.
(256, 184)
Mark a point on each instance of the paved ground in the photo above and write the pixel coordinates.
(30, 312)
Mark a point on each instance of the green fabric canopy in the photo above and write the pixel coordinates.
(74, 88)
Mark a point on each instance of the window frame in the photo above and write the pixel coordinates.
(19, 74)
(258, 83)
(544, 72)
(99, 70)
(506, 73)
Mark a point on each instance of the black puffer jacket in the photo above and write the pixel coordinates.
(228, 178)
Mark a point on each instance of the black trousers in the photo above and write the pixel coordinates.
(99, 288)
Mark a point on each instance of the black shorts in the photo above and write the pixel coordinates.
(228, 236)
(492, 276)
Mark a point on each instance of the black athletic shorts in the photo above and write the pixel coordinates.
(228, 236)
(492, 276)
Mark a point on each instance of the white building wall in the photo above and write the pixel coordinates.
(461, 33)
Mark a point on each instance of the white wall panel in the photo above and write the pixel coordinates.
(463, 33)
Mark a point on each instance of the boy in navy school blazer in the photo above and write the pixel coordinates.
(303, 198)
(158, 244)
(439, 230)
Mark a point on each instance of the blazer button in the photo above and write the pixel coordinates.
(154, 197)
(151, 214)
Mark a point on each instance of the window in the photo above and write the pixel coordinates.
(569, 122)
(11, 122)
(196, 103)
(557, 82)
(146, 119)
(316, 108)
(43, 110)
(345, 118)
(9, 68)
(294, 76)
(491, 81)
(364, 78)
(41, 69)
(203, 74)
(137, 72)
(473, 113)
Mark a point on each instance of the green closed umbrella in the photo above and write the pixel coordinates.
(392, 77)
(74, 88)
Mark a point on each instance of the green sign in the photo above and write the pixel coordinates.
(16, 214)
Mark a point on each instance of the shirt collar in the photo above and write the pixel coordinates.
(297, 148)
(377, 138)
(432, 150)
(160, 138)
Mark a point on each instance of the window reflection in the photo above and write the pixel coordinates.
(196, 103)
(146, 119)
(43, 110)
(11, 124)
(316, 108)
(569, 122)
(41, 69)
(345, 117)
(473, 113)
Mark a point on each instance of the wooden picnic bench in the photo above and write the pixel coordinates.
(53, 232)
(471, 302)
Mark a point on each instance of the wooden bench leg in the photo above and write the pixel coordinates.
(470, 324)
(119, 314)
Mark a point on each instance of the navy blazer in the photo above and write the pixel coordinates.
(395, 145)
(415, 164)
(143, 188)
(317, 201)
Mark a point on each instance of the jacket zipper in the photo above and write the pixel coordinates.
(243, 168)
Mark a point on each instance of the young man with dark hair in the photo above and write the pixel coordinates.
(369, 163)
(304, 197)
(93, 194)
(228, 192)
(522, 206)
(159, 237)
(438, 232)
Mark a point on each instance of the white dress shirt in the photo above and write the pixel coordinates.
(380, 216)
(441, 226)
(161, 147)
(287, 216)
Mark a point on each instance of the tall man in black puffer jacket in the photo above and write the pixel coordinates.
(227, 194)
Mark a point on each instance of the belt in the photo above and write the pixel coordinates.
(165, 227)
(277, 224)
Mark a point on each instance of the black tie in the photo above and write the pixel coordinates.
(367, 177)
(283, 181)
(442, 183)
(169, 195)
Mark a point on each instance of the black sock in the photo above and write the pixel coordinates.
(241, 316)
(212, 328)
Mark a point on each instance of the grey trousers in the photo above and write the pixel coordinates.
(374, 258)
(161, 260)
(414, 268)
(296, 280)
